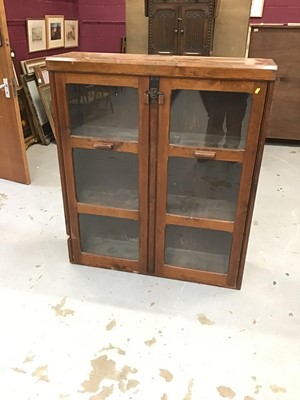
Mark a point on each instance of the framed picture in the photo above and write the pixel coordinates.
(257, 8)
(29, 132)
(71, 33)
(36, 34)
(45, 94)
(28, 65)
(55, 31)
(15, 75)
(37, 109)
(41, 74)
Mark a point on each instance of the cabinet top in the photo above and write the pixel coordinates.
(169, 66)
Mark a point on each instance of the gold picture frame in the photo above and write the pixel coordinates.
(41, 74)
(55, 29)
(29, 132)
(45, 95)
(71, 33)
(28, 65)
(36, 34)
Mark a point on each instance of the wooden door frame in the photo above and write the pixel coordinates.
(67, 143)
(14, 167)
(246, 157)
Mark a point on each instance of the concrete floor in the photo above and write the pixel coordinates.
(74, 332)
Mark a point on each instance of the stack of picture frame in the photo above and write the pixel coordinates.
(36, 88)
(29, 132)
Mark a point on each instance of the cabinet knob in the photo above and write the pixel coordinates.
(176, 31)
(104, 146)
(181, 31)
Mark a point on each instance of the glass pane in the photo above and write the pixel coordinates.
(103, 111)
(107, 236)
(106, 178)
(203, 188)
(200, 249)
(213, 119)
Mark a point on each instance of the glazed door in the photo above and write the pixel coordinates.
(206, 150)
(163, 29)
(13, 161)
(193, 30)
(105, 146)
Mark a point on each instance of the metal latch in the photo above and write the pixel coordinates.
(153, 95)
(5, 86)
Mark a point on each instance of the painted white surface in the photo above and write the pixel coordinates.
(257, 8)
(56, 318)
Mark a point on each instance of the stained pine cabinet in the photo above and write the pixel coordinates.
(159, 160)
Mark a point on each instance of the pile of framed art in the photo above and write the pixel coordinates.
(35, 90)
(52, 32)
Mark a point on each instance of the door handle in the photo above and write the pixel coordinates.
(5, 86)
(203, 154)
(104, 146)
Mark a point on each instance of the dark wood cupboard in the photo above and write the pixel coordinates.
(159, 159)
(181, 27)
(281, 43)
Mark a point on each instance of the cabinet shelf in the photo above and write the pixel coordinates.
(102, 132)
(191, 206)
(112, 248)
(117, 198)
(191, 139)
(198, 260)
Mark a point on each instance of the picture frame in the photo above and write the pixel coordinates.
(41, 74)
(39, 117)
(257, 8)
(28, 65)
(15, 76)
(71, 33)
(29, 132)
(46, 98)
(36, 34)
(55, 29)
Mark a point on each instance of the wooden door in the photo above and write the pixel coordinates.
(281, 43)
(207, 149)
(13, 161)
(103, 125)
(163, 29)
(194, 38)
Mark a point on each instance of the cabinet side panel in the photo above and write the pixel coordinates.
(258, 161)
(57, 82)
(247, 180)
